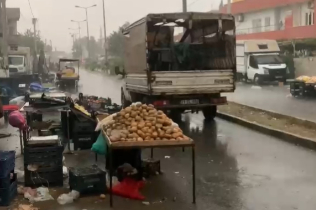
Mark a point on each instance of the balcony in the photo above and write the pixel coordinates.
(288, 33)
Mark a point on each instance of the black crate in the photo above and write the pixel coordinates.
(5, 182)
(86, 126)
(45, 175)
(84, 140)
(87, 180)
(7, 162)
(43, 155)
(8, 194)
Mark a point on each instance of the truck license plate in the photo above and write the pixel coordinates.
(189, 102)
(278, 77)
(222, 81)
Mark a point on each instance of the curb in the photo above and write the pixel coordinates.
(285, 136)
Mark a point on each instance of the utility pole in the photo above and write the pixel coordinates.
(35, 60)
(79, 28)
(34, 20)
(88, 43)
(184, 6)
(51, 44)
(4, 35)
(105, 41)
(229, 7)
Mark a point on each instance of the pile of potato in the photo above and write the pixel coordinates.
(143, 123)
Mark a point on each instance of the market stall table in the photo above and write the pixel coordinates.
(143, 145)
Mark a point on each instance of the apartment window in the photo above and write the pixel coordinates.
(309, 18)
(256, 25)
(267, 23)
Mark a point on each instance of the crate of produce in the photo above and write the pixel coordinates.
(46, 175)
(84, 140)
(9, 193)
(7, 162)
(87, 180)
(43, 155)
(5, 182)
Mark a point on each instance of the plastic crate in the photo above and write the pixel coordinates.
(83, 126)
(5, 182)
(7, 162)
(87, 180)
(47, 176)
(8, 194)
(84, 140)
(43, 155)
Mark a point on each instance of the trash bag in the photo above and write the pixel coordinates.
(99, 146)
(129, 188)
(20, 101)
(17, 120)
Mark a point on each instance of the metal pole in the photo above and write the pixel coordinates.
(88, 44)
(184, 5)
(105, 41)
(34, 20)
(4, 35)
(229, 9)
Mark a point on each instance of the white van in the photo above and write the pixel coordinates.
(259, 60)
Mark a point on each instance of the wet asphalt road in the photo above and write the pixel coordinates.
(275, 98)
(236, 168)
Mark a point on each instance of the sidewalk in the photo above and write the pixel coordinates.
(275, 99)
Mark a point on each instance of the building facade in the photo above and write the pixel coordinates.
(274, 19)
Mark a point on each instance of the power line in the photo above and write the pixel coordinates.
(31, 8)
(193, 2)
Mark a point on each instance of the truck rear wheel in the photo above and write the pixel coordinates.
(210, 112)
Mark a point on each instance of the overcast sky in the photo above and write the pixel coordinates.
(55, 15)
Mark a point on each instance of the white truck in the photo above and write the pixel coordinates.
(19, 60)
(259, 60)
(188, 74)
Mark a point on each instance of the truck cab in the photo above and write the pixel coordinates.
(16, 64)
(19, 60)
(259, 60)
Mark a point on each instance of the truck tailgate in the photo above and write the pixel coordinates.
(183, 82)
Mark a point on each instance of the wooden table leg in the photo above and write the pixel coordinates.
(152, 153)
(193, 173)
(21, 142)
(111, 174)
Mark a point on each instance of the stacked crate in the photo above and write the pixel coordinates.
(43, 165)
(83, 134)
(87, 180)
(8, 179)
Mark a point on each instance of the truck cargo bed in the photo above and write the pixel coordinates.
(182, 82)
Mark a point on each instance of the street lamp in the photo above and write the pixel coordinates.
(86, 8)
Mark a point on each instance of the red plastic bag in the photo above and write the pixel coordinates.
(129, 188)
(17, 120)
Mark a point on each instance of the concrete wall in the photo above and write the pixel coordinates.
(305, 66)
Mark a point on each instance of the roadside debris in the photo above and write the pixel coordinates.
(37, 195)
(102, 196)
(167, 157)
(68, 198)
(146, 203)
(25, 207)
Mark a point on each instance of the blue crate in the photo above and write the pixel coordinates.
(8, 194)
(7, 162)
